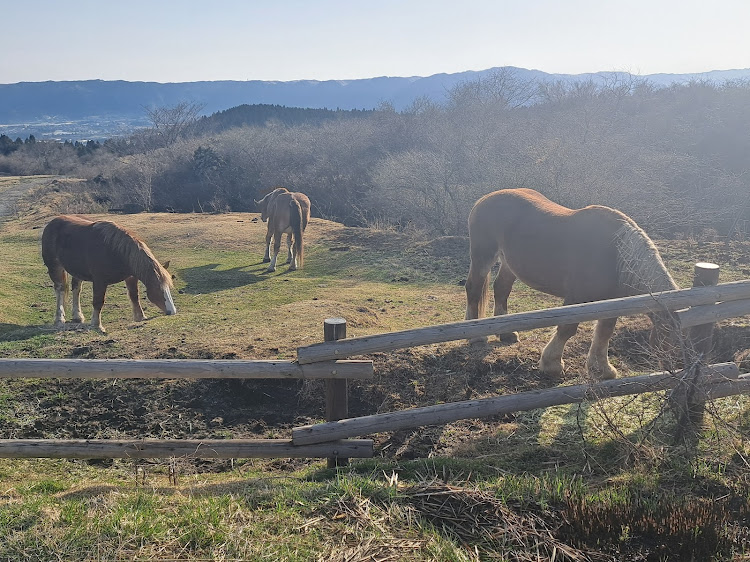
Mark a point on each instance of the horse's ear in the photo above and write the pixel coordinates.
(165, 265)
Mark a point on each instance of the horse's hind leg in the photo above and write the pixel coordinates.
(597, 362)
(60, 282)
(477, 286)
(276, 248)
(502, 287)
(77, 313)
(132, 284)
(289, 253)
(477, 282)
(267, 254)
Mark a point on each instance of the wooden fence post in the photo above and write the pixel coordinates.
(337, 394)
(690, 397)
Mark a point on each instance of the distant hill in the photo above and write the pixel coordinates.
(260, 114)
(98, 108)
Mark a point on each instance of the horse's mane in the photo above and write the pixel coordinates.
(133, 250)
(640, 267)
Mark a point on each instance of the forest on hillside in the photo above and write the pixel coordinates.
(675, 158)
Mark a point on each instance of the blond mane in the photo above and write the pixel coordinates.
(639, 264)
(145, 266)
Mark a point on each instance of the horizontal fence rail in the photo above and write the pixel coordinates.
(180, 448)
(709, 313)
(182, 368)
(721, 373)
(468, 329)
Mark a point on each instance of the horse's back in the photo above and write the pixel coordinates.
(79, 246)
(62, 232)
(280, 207)
(570, 253)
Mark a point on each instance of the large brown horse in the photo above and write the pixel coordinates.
(581, 255)
(103, 253)
(287, 213)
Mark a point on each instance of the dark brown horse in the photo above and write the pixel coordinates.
(582, 255)
(287, 213)
(103, 253)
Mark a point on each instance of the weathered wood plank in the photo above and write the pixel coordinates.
(187, 448)
(704, 314)
(181, 368)
(531, 400)
(468, 329)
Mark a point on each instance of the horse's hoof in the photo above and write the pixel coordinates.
(266, 260)
(552, 369)
(80, 320)
(606, 374)
(270, 270)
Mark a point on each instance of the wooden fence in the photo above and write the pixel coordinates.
(331, 371)
(733, 299)
(695, 308)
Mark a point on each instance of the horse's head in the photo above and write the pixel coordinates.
(265, 202)
(263, 206)
(160, 294)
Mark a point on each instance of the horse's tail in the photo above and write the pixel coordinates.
(50, 254)
(296, 221)
(639, 266)
(477, 292)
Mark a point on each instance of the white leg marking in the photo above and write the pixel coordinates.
(96, 321)
(272, 265)
(77, 313)
(60, 305)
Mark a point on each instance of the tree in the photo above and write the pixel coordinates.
(170, 124)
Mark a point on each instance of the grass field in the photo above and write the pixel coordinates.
(596, 481)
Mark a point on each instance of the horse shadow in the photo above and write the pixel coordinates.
(209, 278)
(17, 332)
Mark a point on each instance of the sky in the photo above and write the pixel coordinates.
(189, 40)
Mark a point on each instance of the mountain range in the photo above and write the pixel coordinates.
(98, 108)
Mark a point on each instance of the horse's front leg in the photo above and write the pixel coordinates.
(597, 362)
(132, 284)
(76, 289)
(98, 302)
(267, 254)
(502, 287)
(276, 248)
(551, 362)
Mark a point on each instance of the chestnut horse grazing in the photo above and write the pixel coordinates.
(287, 213)
(582, 255)
(103, 253)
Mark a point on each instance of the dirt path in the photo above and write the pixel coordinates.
(13, 188)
